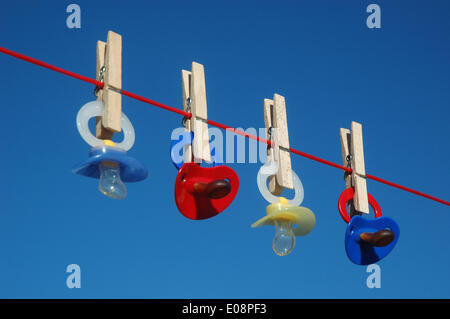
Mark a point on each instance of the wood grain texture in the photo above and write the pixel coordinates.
(113, 82)
(101, 51)
(275, 116)
(272, 152)
(345, 138)
(360, 199)
(100, 131)
(284, 175)
(199, 112)
(186, 86)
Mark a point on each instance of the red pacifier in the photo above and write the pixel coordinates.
(202, 192)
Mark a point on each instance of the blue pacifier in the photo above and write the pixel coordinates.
(367, 241)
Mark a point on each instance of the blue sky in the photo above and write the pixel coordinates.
(332, 70)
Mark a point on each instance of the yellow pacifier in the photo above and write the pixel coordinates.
(283, 213)
(283, 216)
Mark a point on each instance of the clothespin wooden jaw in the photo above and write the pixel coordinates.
(109, 69)
(194, 101)
(353, 156)
(275, 120)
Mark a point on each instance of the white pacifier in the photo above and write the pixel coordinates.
(270, 169)
(95, 108)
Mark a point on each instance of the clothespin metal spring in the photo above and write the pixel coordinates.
(102, 74)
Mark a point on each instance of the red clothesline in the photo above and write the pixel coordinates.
(223, 126)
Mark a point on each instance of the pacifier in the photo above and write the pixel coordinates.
(202, 192)
(108, 161)
(367, 241)
(283, 213)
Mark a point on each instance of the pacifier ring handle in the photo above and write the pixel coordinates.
(94, 109)
(348, 195)
(269, 169)
(381, 238)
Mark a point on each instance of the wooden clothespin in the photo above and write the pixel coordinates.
(353, 157)
(275, 117)
(194, 101)
(109, 70)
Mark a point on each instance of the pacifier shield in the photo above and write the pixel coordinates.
(361, 252)
(190, 202)
(131, 170)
